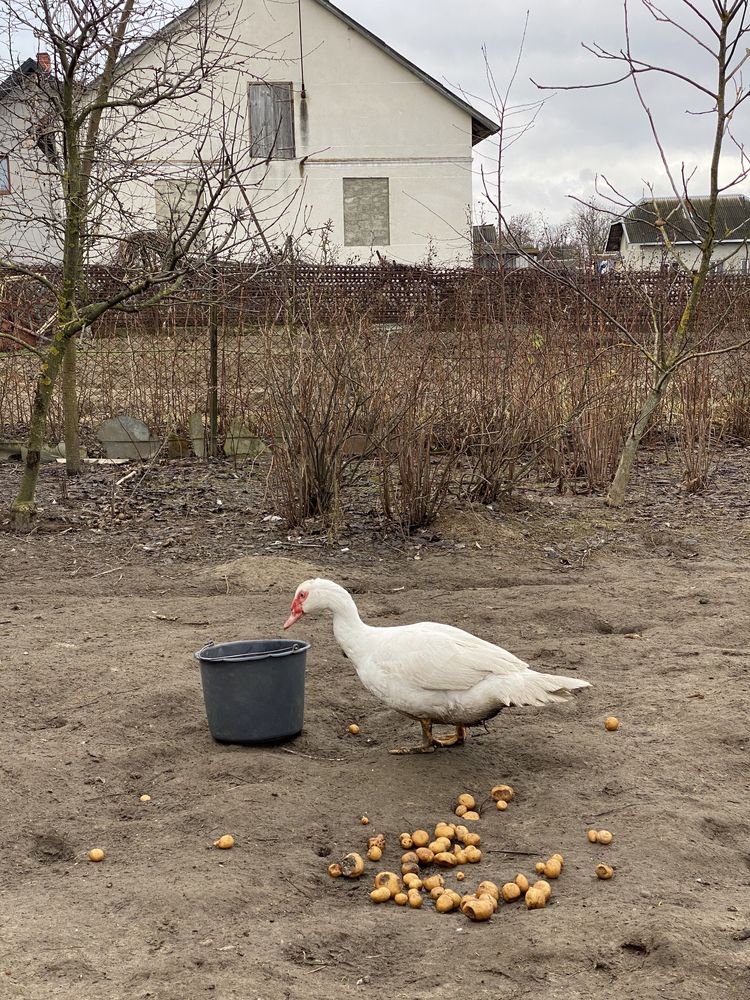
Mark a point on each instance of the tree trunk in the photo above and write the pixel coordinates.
(23, 507)
(70, 410)
(616, 495)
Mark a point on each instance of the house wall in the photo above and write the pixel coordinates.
(363, 115)
(31, 219)
(733, 257)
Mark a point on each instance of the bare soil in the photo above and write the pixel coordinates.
(101, 609)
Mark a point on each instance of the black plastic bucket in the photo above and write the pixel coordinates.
(254, 691)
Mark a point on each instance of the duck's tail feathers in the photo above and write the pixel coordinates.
(528, 687)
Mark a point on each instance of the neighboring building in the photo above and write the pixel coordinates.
(352, 140)
(638, 239)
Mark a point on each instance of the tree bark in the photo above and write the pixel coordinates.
(621, 481)
(70, 410)
(23, 507)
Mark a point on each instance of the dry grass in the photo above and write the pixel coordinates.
(428, 410)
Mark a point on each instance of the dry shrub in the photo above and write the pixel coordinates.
(415, 469)
(700, 437)
(324, 381)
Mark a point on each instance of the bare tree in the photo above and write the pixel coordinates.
(688, 229)
(125, 146)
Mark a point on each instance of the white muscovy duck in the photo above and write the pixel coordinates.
(432, 673)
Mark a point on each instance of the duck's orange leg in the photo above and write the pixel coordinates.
(457, 739)
(428, 741)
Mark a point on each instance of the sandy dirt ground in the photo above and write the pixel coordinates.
(101, 610)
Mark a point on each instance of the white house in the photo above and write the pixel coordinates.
(637, 236)
(339, 140)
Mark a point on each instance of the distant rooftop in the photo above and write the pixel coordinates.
(685, 221)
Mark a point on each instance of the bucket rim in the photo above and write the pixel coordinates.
(290, 648)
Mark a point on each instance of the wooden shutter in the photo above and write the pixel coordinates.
(272, 120)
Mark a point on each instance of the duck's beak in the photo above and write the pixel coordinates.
(296, 612)
(293, 617)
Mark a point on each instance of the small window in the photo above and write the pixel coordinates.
(366, 212)
(271, 120)
(177, 201)
(4, 175)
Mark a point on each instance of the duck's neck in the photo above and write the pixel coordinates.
(348, 627)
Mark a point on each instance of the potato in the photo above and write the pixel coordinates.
(414, 898)
(440, 844)
(611, 724)
(490, 887)
(592, 835)
(604, 871)
(479, 908)
(378, 840)
(352, 865)
(539, 867)
(471, 816)
(144, 798)
(460, 876)
(544, 887)
(420, 838)
(445, 903)
(380, 895)
(522, 882)
(353, 728)
(454, 896)
(225, 843)
(604, 837)
(406, 842)
(460, 810)
(473, 855)
(483, 894)
(364, 820)
(535, 899)
(334, 870)
(502, 793)
(511, 891)
(444, 859)
(502, 805)
(445, 830)
(374, 854)
(425, 856)
(459, 854)
(390, 880)
(96, 854)
(461, 832)
(466, 800)
(409, 858)
(436, 892)
(552, 868)
(410, 869)
(558, 857)
(400, 899)
(432, 881)
(472, 840)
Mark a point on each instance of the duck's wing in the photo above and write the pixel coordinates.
(442, 658)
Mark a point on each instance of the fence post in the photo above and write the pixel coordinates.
(213, 363)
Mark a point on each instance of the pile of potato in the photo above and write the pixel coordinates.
(448, 848)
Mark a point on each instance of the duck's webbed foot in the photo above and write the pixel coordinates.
(426, 746)
(456, 739)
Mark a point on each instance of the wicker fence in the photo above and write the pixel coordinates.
(388, 293)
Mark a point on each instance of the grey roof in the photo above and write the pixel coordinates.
(17, 77)
(481, 125)
(683, 219)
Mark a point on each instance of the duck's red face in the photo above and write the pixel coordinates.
(297, 610)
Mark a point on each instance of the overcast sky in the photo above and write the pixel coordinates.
(578, 134)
